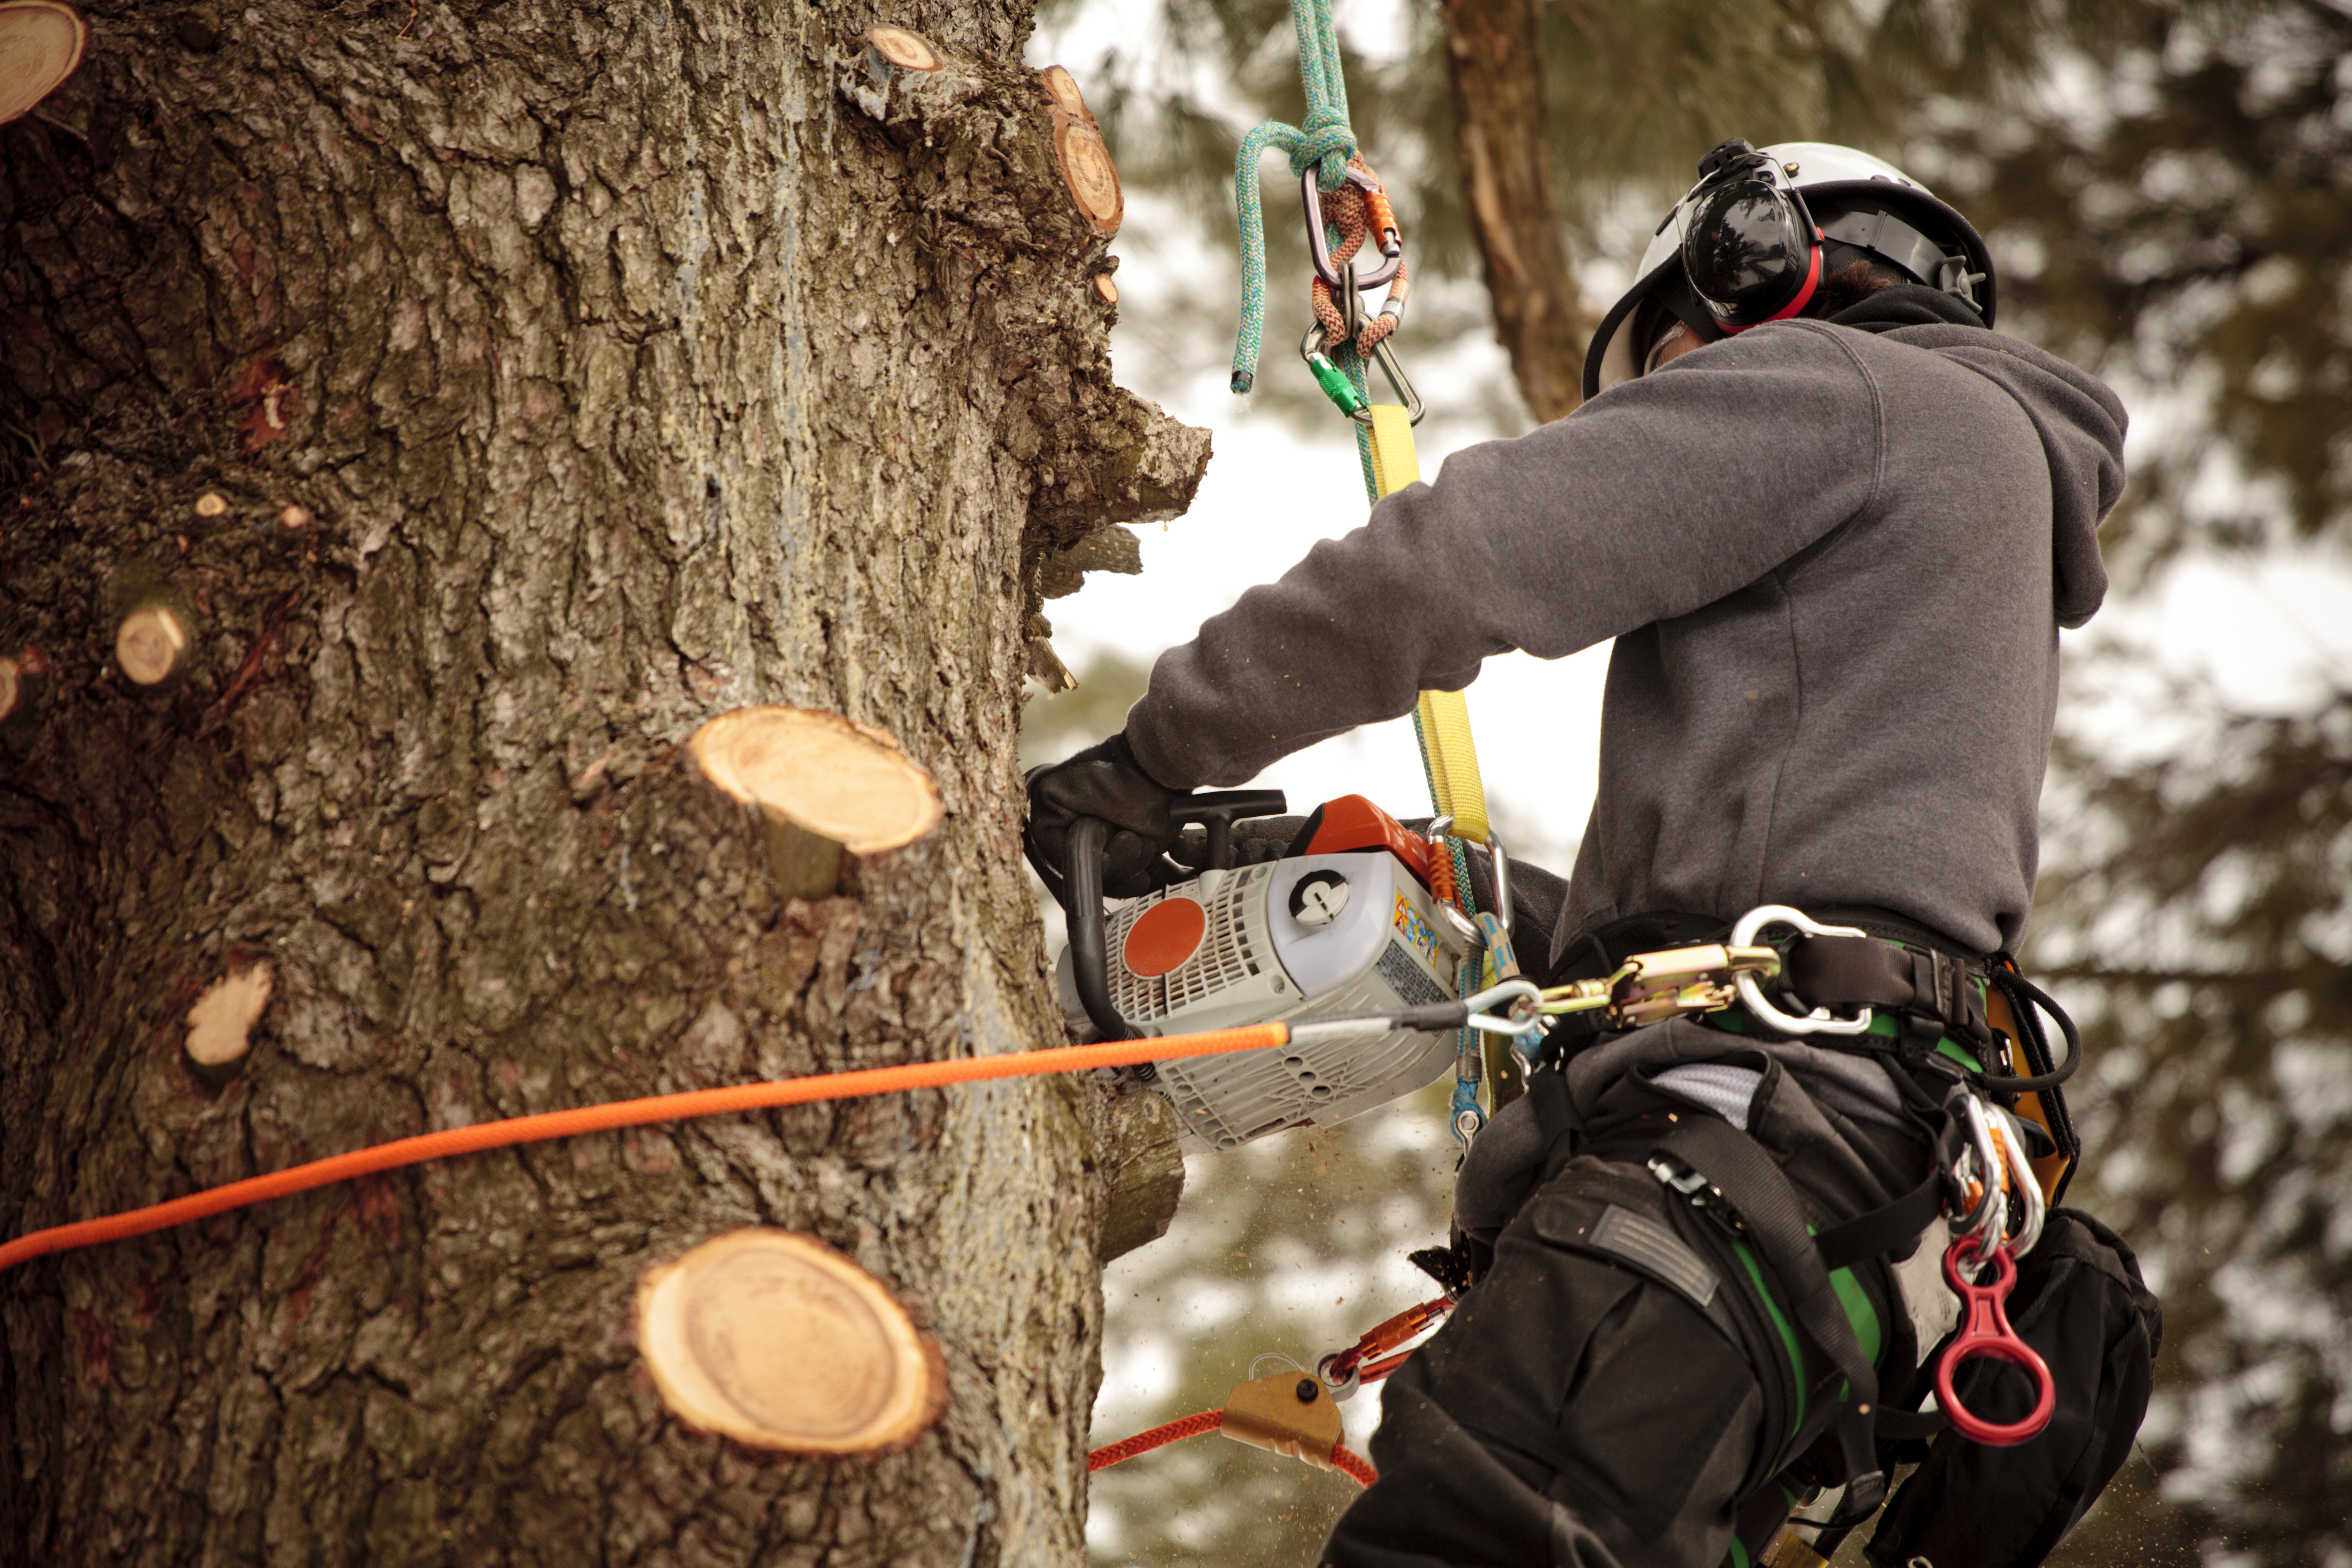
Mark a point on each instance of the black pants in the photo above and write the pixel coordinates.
(1600, 1400)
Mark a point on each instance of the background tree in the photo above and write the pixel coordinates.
(492, 395)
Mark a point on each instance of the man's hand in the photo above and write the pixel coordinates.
(1103, 780)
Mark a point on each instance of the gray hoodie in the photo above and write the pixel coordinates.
(1835, 564)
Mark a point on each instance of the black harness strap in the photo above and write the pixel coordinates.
(1745, 1176)
(1844, 971)
(1883, 1231)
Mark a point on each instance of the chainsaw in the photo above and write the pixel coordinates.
(1341, 924)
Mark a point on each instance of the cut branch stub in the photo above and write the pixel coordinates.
(903, 48)
(41, 44)
(220, 1025)
(1084, 158)
(777, 1341)
(11, 685)
(148, 644)
(825, 784)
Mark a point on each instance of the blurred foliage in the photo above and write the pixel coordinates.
(1636, 93)
(2176, 210)
(2201, 918)
(2168, 188)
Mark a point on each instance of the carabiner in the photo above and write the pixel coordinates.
(1525, 1000)
(1985, 1333)
(1984, 1168)
(1391, 243)
(2022, 1181)
(1342, 391)
(1385, 357)
(1821, 1020)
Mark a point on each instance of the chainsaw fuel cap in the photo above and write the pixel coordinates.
(1319, 897)
(1164, 936)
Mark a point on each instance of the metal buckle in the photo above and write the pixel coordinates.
(1821, 1020)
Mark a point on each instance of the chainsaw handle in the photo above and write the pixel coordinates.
(1082, 903)
(1081, 892)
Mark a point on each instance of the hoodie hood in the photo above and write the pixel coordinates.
(2081, 423)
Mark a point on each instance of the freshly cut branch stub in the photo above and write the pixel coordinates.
(777, 1341)
(11, 683)
(220, 1025)
(149, 643)
(1107, 289)
(816, 774)
(41, 44)
(1080, 149)
(824, 785)
(1063, 89)
(903, 48)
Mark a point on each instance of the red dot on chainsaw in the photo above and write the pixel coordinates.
(1164, 936)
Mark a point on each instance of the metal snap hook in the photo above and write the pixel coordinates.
(1821, 1020)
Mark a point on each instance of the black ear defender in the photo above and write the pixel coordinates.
(1750, 249)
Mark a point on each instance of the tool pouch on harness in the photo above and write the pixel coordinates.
(2080, 1301)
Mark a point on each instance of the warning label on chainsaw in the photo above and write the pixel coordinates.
(1417, 933)
(1407, 979)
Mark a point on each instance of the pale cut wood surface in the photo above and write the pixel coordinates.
(148, 644)
(777, 1341)
(41, 44)
(843, 781)
(1084, 157)
(903, 48)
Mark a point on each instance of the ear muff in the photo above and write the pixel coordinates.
(1750, 250)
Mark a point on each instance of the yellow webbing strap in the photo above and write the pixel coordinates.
(1443, 718)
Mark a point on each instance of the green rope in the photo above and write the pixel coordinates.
(1325, 143)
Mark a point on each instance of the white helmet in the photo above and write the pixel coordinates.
(1753, 238)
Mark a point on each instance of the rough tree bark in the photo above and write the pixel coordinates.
(1502, 150)
(571, 372)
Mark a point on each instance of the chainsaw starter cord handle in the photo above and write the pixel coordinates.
(1218, 811)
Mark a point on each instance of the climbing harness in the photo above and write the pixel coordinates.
(1929, 1013)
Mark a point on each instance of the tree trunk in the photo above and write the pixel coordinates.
(1502, 149)
(570, 374)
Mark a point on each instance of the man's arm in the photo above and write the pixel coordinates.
(1656, 499)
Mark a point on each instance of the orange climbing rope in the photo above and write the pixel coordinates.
(1355, 1465)
(1175, 1431)
(607, 1118)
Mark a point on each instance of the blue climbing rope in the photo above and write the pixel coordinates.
(1324, 143)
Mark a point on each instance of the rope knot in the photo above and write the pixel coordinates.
(1326, 144)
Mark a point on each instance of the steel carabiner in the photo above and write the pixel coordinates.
(1342, 391)
(1391, 242)
(1985, 1333)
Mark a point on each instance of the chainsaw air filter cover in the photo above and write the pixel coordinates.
(1315, 936)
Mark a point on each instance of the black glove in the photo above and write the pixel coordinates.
(1104, 780)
